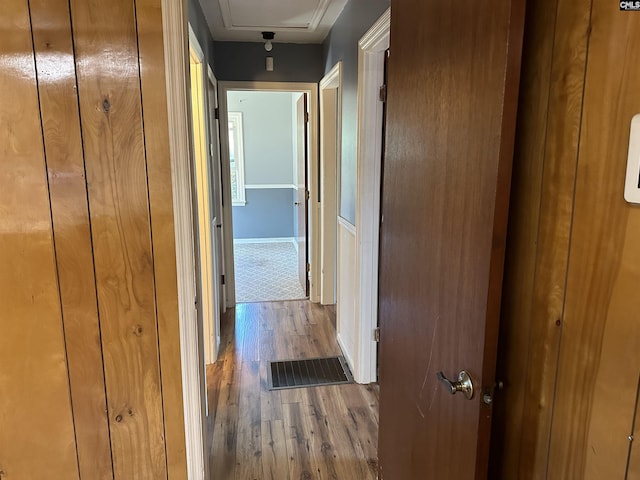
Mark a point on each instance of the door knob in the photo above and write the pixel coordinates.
(464, 384)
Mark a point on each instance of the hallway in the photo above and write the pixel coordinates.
(310, 433)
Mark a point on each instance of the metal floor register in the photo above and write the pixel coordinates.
(308, 373)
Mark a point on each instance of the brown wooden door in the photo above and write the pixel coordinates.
(302, 202)
(452, 94)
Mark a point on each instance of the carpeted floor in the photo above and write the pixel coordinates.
(266, 272)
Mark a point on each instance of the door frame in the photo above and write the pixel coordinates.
(330, 184)
(371, 51)
(215, 158)
(176, 54)
(314, 206)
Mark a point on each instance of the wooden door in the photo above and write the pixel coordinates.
(302, 200)
(452, 93)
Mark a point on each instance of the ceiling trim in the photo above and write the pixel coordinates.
(319, 13)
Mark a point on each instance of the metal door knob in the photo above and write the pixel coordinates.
(464, 384)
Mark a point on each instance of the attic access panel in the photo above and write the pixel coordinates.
(275, 15)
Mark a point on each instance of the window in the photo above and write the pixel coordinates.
(236, 158)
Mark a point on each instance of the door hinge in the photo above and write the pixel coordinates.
(376, 334)
(212, 150)
(216, 113)
(306, 117)
(222, 279)
(306, 195)
(195, 302)
(383, 93)
(308, 267)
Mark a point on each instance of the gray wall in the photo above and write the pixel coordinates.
(267, 214)
(267, 119)
(268, 135)
(245, 61)
(201, 30)
(342, 44)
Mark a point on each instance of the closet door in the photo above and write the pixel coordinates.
(36, 426)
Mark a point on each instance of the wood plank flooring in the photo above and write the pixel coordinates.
(328, 432)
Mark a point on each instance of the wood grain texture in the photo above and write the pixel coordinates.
(107, 65)
(633, 467)
(524, 219)
(312, 433)
(37, 432)
(51, 25)
(452, 95)
(549, 117)
(600, 351)
(154, 103)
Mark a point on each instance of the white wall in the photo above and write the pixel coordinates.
(346, 326)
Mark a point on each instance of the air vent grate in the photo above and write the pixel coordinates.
(308, 373)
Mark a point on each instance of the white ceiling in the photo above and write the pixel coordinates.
(293, 21)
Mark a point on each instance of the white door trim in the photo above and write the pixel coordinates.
(371, 51)
(314, 206)
(330, 153)
(176, 56)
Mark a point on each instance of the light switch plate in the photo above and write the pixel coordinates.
(632, 181)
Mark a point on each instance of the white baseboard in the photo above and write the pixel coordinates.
(237, 241)
(346, 353)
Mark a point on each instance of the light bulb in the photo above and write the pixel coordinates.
(268, 46)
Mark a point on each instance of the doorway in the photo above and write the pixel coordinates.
(265, 154)
(330, 149)
(269, 156)
(205, 212)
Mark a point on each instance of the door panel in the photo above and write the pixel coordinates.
(202, 195)
(216, 184)
(452, 93)
(328, 206)
(302, 201)
(36, 423)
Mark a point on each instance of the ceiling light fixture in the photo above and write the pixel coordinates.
(268, 36)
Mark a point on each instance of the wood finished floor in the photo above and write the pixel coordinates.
(328, 432)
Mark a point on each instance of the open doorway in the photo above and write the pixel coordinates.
(265, 155)
(271, 153)
(208, 289)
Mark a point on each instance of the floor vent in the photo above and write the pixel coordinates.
(309, 373)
